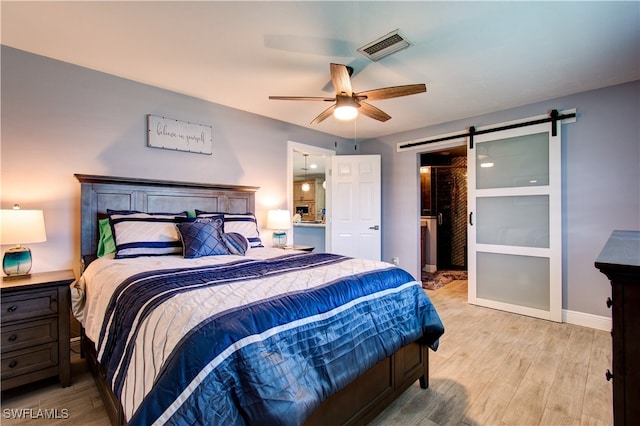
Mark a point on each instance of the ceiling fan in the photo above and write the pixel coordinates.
(349, 103)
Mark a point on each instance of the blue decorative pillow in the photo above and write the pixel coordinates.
(236, 243)
(144, 234)
(241, 223)
(202, 238)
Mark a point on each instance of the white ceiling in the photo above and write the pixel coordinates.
(475, 57)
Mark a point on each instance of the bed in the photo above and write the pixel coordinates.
(227, 331)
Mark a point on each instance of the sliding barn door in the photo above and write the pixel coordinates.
(515, 226)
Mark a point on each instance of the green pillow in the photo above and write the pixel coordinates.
(106, 244)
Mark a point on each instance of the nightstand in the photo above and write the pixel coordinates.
(35, 328)
(301, 248)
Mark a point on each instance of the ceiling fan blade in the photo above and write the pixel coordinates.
(324, 114)
(392, 92)
(301, 98)
(341, 80)
(373, 112)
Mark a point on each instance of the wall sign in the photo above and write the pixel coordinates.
(168, 133)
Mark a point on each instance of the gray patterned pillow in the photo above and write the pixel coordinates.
(241, 223)
(202, 237)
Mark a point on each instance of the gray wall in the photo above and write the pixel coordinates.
(59, 119)
(601, 184)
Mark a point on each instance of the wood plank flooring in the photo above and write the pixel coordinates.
(497, 368)
(492, 368)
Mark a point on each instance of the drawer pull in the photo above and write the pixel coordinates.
(608, 375)
(13, 337)
(12, 308)
(13, 363)
(609, 302)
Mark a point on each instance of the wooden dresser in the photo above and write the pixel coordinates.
(620, 262)
(35, 328)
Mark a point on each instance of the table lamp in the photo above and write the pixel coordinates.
(280, 221)
(20, 227)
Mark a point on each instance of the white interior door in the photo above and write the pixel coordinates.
(354, 207)
(515, 226)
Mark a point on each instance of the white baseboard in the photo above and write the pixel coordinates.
(586, 320)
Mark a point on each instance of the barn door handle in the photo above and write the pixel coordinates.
(471, 218)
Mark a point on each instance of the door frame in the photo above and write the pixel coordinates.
(435, 147)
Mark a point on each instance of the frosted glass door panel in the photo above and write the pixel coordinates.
(513, 162)
(518, 280)
(513, 221)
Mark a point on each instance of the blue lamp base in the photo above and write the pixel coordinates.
(279, 239)
(17, 262)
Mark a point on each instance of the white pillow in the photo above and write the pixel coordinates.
(144, 234)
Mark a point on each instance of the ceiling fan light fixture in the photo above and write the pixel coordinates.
(348, 103)
(345, 112)
(346, 108)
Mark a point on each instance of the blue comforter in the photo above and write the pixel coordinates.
(270, 361)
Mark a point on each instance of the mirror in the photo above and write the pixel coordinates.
(309, 232)
(309, 187)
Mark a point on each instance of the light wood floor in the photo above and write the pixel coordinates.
(497, 368)
(492, 368)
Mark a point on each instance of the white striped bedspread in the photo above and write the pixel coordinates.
(233, 340)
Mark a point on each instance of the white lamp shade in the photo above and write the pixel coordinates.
(22, 226)
(279, 219)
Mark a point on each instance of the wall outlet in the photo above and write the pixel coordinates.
(395, 261)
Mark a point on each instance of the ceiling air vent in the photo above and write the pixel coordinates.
(384, 46)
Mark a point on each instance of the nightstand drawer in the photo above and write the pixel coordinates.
(25, 334)
(27, 360)
(29, 304)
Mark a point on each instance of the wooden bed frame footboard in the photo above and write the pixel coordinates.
(357, 404)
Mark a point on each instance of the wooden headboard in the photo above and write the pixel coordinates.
(99, 193)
